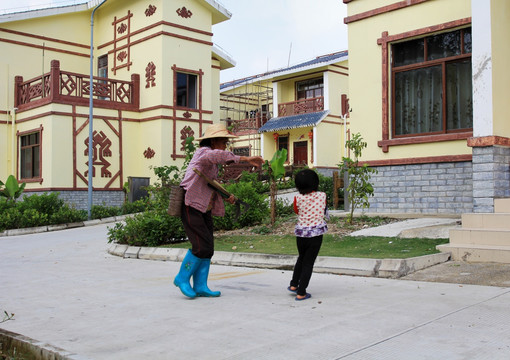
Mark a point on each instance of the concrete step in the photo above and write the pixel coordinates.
(476, 253)
(500, 221)
(502, 205)
(488, 237)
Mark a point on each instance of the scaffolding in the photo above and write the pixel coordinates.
(245, 106)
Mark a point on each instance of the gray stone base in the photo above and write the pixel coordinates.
(79, 199)
(491, 176)
(435, 188)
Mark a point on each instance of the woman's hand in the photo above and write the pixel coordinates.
(231, 199)
(253, 160)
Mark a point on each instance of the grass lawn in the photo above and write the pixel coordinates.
(375, 247)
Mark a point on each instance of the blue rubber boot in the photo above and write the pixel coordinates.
(200, 280)
(189, 266)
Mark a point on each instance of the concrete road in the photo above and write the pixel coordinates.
(67, 292)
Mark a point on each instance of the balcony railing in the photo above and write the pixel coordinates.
(64, 87)
(250, 123)
(301, 106)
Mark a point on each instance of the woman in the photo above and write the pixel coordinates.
(200, 204)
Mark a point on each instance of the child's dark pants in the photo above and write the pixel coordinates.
(308, 249)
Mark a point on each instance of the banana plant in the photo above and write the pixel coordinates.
(275, 170)
(12, 190)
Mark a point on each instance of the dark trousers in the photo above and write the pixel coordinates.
(308, 249)
(199, 229)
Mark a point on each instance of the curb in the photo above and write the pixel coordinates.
(382, 268)
(35, 349)
(45, 228)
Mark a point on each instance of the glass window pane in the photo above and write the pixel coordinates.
(409, 52)
(443, 45)
(182, 84)
(467, 41)
(35, 157)
(26, 163)
(192, 91)
(459, 96)
(418, 101)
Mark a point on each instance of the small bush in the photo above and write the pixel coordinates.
(148, 229)
(257, 211)
(67, 215)
(44, 203)
(134, 207)
(32, 218)
(101, 212)
(10, 219)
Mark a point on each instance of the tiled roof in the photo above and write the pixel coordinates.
(294, 121)
(318, 61)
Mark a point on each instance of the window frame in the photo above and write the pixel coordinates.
(312, 82)
(188, 91)
(424, 64)
(20, 165)
(384, 41)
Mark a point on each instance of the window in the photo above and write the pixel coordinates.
(30, 152)
(432, 84)
(102, 66)
(242, 151)
(310, 88)
(186, 90)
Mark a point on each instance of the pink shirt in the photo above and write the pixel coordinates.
(198, 194)
(311, 209)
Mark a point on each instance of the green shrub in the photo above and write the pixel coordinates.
(44, 203)
(10, 219)
(32, 218)
(67, 215)
(135, 207)
(149, 228)
(101, 212)
(257, 211)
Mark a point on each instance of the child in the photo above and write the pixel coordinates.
(310, 206)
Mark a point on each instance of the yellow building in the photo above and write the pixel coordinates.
(156, 80)
(301, 108)
(429, 92)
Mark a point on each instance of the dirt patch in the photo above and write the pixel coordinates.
(337, 226)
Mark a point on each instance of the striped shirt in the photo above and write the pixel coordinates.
(198, 194)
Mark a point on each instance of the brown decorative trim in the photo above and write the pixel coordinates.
(484, 141)
(184, 13)
(425, 139)
(420, 160)
(384, 9)
(9, 31)
(21, 43)
(340, 66)
(150, 75)
(187, 115)
(298, 76)
(338, 72)
(383, 41)
(118, 52)
(149, 153)
(160, 23)
(150, 10)
(216, 67)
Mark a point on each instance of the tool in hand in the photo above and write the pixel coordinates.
(224, 193)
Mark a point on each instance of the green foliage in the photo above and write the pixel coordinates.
(43, 203)
(257, 211)
(172, 174)
(101, 212)
(154, 227)
(12, 190)
(359, 188)
(49, 209)
(150, 228)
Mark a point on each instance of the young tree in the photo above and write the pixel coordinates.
(359, 188)
(275, 170)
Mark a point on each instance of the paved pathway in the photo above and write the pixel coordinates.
(68, 292)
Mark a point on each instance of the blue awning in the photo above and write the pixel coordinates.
(294, 121)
